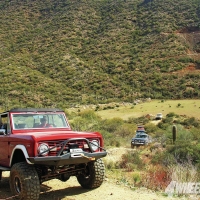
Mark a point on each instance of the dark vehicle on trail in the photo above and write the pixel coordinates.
(141, 139)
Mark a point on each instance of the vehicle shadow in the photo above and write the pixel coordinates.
(46, 192)
(5, 188)
(68, 193)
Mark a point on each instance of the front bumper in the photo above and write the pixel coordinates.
(138, 143)
(67, 159)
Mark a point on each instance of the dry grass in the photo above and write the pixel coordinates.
(185, 172)
(189, 108)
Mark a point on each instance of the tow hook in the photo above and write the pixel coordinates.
(89, 158)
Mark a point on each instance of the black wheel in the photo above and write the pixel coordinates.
(24, 182)
(93, 176)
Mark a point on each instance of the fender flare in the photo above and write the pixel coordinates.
(23, 149)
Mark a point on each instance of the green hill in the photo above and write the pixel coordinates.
(59, 53)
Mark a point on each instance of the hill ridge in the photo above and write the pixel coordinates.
(97, 51)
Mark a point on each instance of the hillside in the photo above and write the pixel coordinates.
(60, 53)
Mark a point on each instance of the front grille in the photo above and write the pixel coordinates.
(139, 141)
(56, 146)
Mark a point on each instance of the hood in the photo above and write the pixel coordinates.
(63, 135)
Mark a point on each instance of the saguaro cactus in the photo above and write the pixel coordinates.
(174, 132)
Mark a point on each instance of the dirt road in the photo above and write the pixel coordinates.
(71, 190)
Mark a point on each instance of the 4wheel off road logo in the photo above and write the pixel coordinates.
(182, 188)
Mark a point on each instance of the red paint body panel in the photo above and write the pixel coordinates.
(27, 139)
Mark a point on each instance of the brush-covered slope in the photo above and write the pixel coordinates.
(57, 53)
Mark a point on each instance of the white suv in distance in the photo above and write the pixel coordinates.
(159, 116)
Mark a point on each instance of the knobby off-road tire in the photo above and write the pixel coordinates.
(24, 182)
(94, 175)
(132, 146)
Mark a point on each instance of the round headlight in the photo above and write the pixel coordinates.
(94, 145)
(43, 148)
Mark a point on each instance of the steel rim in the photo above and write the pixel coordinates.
(17, 185)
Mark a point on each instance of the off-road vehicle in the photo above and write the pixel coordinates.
(37, 145)
(141, 139)
(159, 116)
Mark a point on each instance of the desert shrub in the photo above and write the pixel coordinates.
(158, 158)
(183, 172)
(172, 114)
(114, 142)
(178, 105)
(185, 147)
(163, 125)
(97, 108)
(151, 128)
(185, 151)
(107, 136)
(89, 115)
(185, 59)
(163, 158)
(167, 121)
(108, 107)
(182, 135)
(112, 125)
(156, 177)
(137, 179)
(140, 120)
(79, 124)
(159, 136)
(109, 164)
(70, 115)
(195, 134)
(131, 161)
(125, 130)
(191, 122)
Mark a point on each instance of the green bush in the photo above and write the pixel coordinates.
(163, 158)
(114, 142)
(151, 128)
(166, 122)
(172, 114)
(191, 122)
(79, 124)
(195, 134)
(181, 135)
(107, 136)
(89, 115)
(125, 130)
(112, 125)
(185, 151)
(136, 178)
(131, 161)
(140, 120)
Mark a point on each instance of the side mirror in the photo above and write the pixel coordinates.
(2, 131)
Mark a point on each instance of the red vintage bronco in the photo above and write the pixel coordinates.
(37, 145)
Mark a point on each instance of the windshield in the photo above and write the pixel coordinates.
(141, 136)
(39, 120)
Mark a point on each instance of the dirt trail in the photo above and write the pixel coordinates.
(71, 190)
